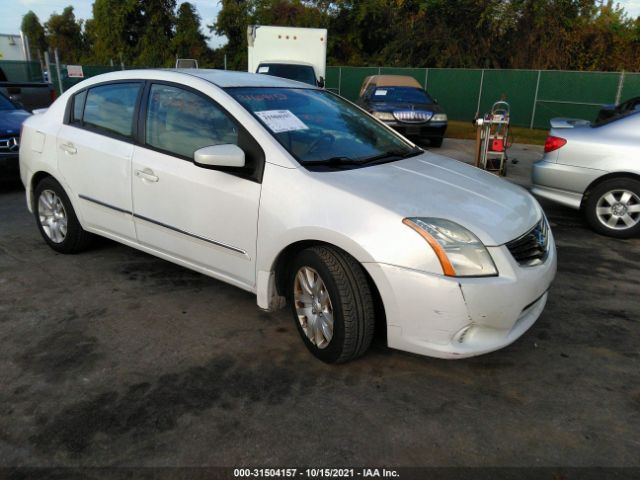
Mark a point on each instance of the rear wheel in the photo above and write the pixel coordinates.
(56, 218)
(331, 304)
(613, 208)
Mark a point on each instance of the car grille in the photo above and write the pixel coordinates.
(531, 248)
(415, 116)
(9, 144)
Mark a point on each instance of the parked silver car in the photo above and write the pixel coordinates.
(596, 169)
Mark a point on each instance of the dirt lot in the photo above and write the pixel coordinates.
(114, 357)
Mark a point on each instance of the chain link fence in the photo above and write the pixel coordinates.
(16, 71)
(535, 96)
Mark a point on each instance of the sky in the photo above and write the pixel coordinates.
(208, 10)
(12, 17)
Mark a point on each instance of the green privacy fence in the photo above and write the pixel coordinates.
(16, 71)
(535, 96)
(87, 70)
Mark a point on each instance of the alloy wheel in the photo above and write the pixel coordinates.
(619, 209)
(313, 307)
(52, 216)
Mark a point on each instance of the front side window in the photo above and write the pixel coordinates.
(316, 126)
(110, 108)
(181, 122)
(6, 104)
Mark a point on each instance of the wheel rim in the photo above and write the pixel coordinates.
(619, 209)
(313, 307)
(52, 216)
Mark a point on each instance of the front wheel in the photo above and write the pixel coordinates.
(331, 303)
(613, 208)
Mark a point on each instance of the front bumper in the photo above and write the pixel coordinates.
(422, 130)
(449, 317)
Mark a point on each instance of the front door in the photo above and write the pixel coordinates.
(200, 215)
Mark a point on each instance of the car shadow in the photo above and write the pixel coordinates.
(10, 185)
(422, 142)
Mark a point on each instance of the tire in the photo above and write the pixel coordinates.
(56, 219)
(613, 208)
(436, 142)
(350, 303)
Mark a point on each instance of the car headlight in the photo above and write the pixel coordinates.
(385, 116)
(460, 252)
(439, 117)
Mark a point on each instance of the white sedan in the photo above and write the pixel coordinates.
(299, 196)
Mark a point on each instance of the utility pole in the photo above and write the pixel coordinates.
(55, 53)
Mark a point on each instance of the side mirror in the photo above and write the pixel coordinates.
(321, 82)
(228, 155)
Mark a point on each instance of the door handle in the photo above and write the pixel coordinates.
(69, 148)
(147, 174)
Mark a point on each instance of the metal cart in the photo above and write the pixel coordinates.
(492, 139)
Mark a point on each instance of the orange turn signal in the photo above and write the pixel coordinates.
(447, 268)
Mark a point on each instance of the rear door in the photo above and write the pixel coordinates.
(200, 215)
(95, 146)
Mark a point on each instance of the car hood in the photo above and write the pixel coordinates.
(10, 121)
(432, 185)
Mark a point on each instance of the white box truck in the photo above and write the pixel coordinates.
(290, 52)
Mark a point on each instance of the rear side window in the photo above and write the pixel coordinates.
(78, 107)
(110, 108)
(181, 122)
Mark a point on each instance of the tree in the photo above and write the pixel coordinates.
(114, 31)
(189, 42)
(35, 34)
(65, 34)
(232, 22)
(154, 47)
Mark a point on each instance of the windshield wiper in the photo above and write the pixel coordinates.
(334, 161)
(343, 160)
(392, 154)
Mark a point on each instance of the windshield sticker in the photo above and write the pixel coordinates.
(267, 97)
(263, 69)
(380, 92)
(280, 121)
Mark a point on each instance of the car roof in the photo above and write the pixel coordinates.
(228, 78)
(389, 81)
(393, 81)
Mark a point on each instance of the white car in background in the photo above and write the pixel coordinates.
(291, 192)
(595, 169)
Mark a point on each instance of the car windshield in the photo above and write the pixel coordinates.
(6, 104)
(300, 73)
(316, 126)
(400, 95)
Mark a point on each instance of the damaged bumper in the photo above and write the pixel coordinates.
(449, 317)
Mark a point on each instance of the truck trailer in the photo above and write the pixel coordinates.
(290, 52)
